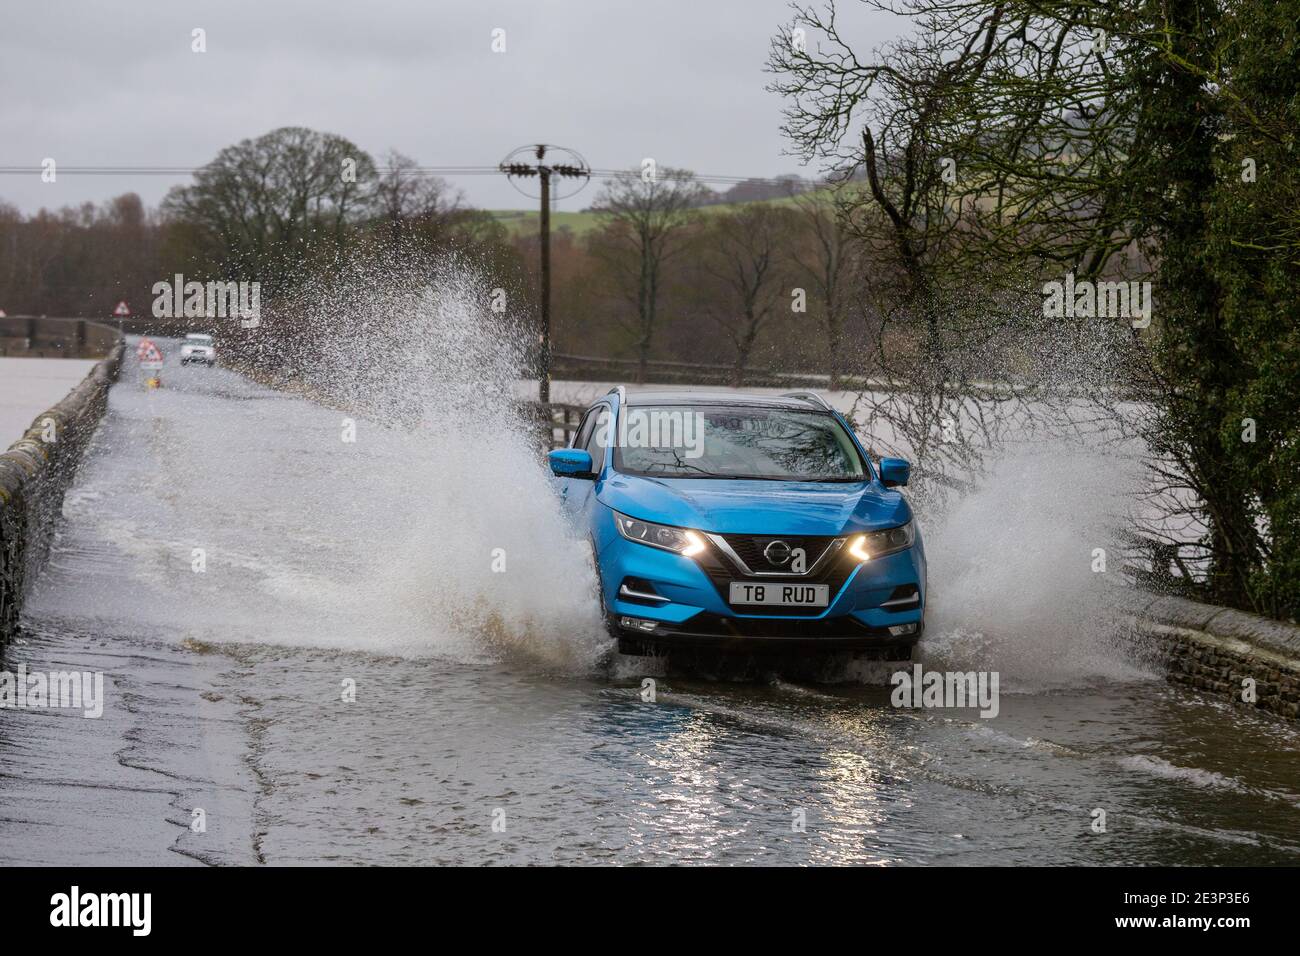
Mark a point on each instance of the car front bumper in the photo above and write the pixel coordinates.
(710, 632)
(878, 604)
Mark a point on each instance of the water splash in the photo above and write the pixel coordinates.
(436, 532)
(484, 551)
(1014, 568)
(405, 512)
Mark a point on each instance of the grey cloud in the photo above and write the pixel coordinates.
(115, 83)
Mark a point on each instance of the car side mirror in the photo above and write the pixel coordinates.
(894, 472)
(570, 463)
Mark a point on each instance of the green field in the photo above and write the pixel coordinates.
(525, 220)
(519, 220)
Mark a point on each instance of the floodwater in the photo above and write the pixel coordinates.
(308, 658)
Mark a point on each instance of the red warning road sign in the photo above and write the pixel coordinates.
(150, 355)
(122, 310)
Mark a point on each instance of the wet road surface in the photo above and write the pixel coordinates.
(236, 568)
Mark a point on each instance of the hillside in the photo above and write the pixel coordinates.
(524, 220)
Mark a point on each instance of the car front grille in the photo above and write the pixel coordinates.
(722, 570)
(750, 549)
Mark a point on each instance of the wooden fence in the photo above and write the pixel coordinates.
(555, 421)
(594, 368)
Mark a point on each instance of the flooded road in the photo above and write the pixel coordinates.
(309, 659)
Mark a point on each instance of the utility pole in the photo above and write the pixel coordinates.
(544, 240)
(575, 169)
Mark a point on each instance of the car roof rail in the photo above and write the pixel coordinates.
(621, 392)
(812, 397)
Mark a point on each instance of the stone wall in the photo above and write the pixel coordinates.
(41, 337)
(34, 475)
(1217, 650)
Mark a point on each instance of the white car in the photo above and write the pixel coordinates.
(198, 348)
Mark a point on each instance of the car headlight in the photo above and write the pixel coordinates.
(876, 544)
(681, 540)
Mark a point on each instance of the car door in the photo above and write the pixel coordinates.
(593, 436)
(566, 486)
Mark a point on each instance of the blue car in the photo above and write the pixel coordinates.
(746, 523)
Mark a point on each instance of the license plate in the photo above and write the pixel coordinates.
(780, 595)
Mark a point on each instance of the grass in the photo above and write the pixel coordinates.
(579, 223)
(525, 221)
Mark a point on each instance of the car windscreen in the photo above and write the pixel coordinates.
(775, 444)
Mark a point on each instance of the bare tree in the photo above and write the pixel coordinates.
(743, 252)
(403, 198)
(645, 222)
(959, 339)
(827, 257)
(264, 204)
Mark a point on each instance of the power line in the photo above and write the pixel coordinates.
(192, 170)
(450, 171)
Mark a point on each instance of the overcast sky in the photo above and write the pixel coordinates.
(115, 82)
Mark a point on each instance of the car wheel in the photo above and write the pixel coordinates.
(605, 614)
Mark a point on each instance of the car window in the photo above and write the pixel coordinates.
(776, 444)
(599, 438)
(583, 434)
